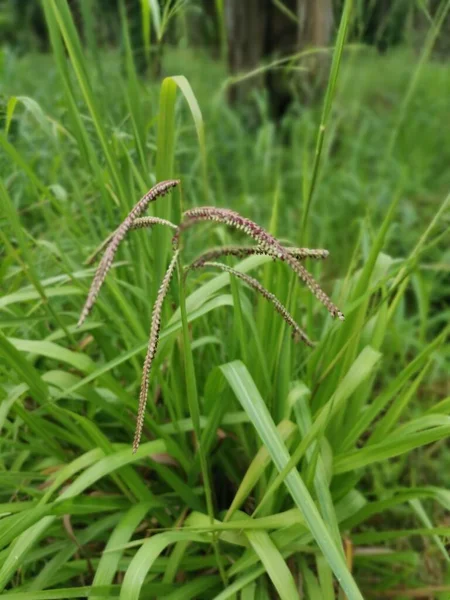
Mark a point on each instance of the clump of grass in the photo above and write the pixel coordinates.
(267, 245)
(346, 415)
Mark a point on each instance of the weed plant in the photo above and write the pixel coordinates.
(266, 468)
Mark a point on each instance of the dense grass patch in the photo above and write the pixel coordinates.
(357, 426)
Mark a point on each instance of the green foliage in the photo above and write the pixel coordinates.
(258, 456)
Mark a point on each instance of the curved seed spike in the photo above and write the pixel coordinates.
(144, 222)
(140, 223)
(151, 349)
(265, 240)
(302, 253)
(160, 189)
(244, 251)
(297, 331)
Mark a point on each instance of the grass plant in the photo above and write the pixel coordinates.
(265, 468)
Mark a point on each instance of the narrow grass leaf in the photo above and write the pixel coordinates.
(274, 564)
(362, 368)
(247, 393)
(357, 459)
(145, 557)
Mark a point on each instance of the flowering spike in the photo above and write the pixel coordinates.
(144, 222)
(244, 251)
(266, 242)
(140, 223)
(297, 331)
(160, 189)
(151, 348)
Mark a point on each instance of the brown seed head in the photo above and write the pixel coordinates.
(266, 242)
(297, 331)
(160, 189)
(245, 251)
(151, 348)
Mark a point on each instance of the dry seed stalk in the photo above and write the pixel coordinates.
(160, 189)
(244, 251)
(297, 331)
(152, 347)
(265, 240)
(140, 223)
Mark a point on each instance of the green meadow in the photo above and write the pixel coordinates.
(266, 468)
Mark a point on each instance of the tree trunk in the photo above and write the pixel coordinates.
(259, 32)
(315, 31)
(246, 29)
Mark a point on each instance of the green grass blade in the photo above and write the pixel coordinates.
(145, 557)
(122, 533)
(328, 103)
(20, 548)
(60, 594)
(22, 367)
(197, 117)
(274, 564)
(350, 461)
(321, 480)
(256, 469)
(423, 516)
(362, 368)
(246, 392)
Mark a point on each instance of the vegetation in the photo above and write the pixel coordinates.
(266, 469)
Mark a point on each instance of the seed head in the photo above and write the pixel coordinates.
(266, 242)
(244, 251)
(160, 189)
(140, 223)
(297, 331)
(151, 348)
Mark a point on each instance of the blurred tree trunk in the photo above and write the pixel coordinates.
(246, 24)
(316, 22)
(261, 31)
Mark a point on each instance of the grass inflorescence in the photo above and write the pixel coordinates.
(267, 246)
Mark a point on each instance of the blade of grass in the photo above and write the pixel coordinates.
(194, 408)
(246, 392)
(362, 368)
(326, 111)
(275, 566)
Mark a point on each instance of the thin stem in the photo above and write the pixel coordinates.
(194, 408)
(327, 105)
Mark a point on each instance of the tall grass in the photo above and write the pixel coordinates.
(319, 468)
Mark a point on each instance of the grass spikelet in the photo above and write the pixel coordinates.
(152, 348)
(144, 222)
(266, 242)
(303, 253)
(297, 331)
(139, 223)
(244, 251)
(158, 190)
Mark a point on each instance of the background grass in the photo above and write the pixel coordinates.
(364, 416)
